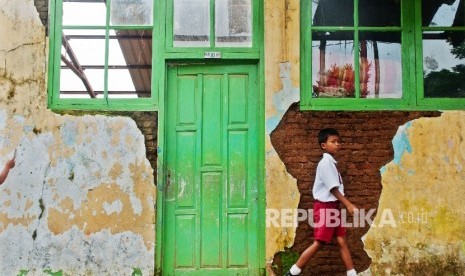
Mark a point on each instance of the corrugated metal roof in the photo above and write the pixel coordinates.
(136, 46)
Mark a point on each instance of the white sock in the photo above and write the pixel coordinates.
(295, 270)
(351, 272)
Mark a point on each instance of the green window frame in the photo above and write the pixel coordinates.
(211, 49)
(101, 35)
(410, 31)
(163, 49)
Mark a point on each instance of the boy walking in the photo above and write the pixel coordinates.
(328, 192)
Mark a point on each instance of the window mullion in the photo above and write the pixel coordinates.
(212, 24)
(306, 51)
(415, 36)
(107, 47)
(356, 51)
(57, 30)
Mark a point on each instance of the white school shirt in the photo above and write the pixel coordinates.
(326, 178)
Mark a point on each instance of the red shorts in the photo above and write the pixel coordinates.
(327, 221)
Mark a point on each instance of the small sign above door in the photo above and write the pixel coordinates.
(212, 55)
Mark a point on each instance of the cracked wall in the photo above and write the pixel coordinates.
(81, 197)
(291, 155)
(367, 147)
(281, 90)
(423, 188)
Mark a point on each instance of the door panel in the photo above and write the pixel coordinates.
(211, 192)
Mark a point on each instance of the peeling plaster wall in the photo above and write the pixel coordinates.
(423, 189)
(423, 182)
(81, 197)
(281, 90)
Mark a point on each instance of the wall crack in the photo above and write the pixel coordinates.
(41, 202)
(22, 45)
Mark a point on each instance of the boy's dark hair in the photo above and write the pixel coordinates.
(325, 133)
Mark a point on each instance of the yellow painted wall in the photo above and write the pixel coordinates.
(423, 190)
(281, 90)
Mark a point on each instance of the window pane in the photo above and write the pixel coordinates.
(131, 12)
(191, 23)
(233, 20)
(84, 13)
(380, 65)
(445, 13)
(332, 64)
(443, 64)
(333, 12)
(379, 13)
(89, 51)
(82, 62)
(129, 64)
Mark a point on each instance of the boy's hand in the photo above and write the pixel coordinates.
(11, 163)
(353, 210)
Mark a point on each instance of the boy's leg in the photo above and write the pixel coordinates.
(308, 253)
(345, 255)
(321, 232)
(304, 258)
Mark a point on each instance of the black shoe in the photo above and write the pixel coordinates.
(289, 273)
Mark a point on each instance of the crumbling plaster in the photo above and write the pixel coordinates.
(281, 90)
(81, 196)
(425, 177)
(423, 189)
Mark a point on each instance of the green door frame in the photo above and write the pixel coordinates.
(161, 165)
(193, 56)
(255, 213)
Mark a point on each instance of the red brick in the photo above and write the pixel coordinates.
(367, 147)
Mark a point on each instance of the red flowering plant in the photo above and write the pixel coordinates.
(339, 81)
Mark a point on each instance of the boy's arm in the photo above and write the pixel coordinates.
(350, 207)
(9, 165)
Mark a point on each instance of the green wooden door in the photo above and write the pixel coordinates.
(211, 222)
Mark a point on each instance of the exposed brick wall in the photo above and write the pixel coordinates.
(366, 148)
(148, 124)
(42, 9)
